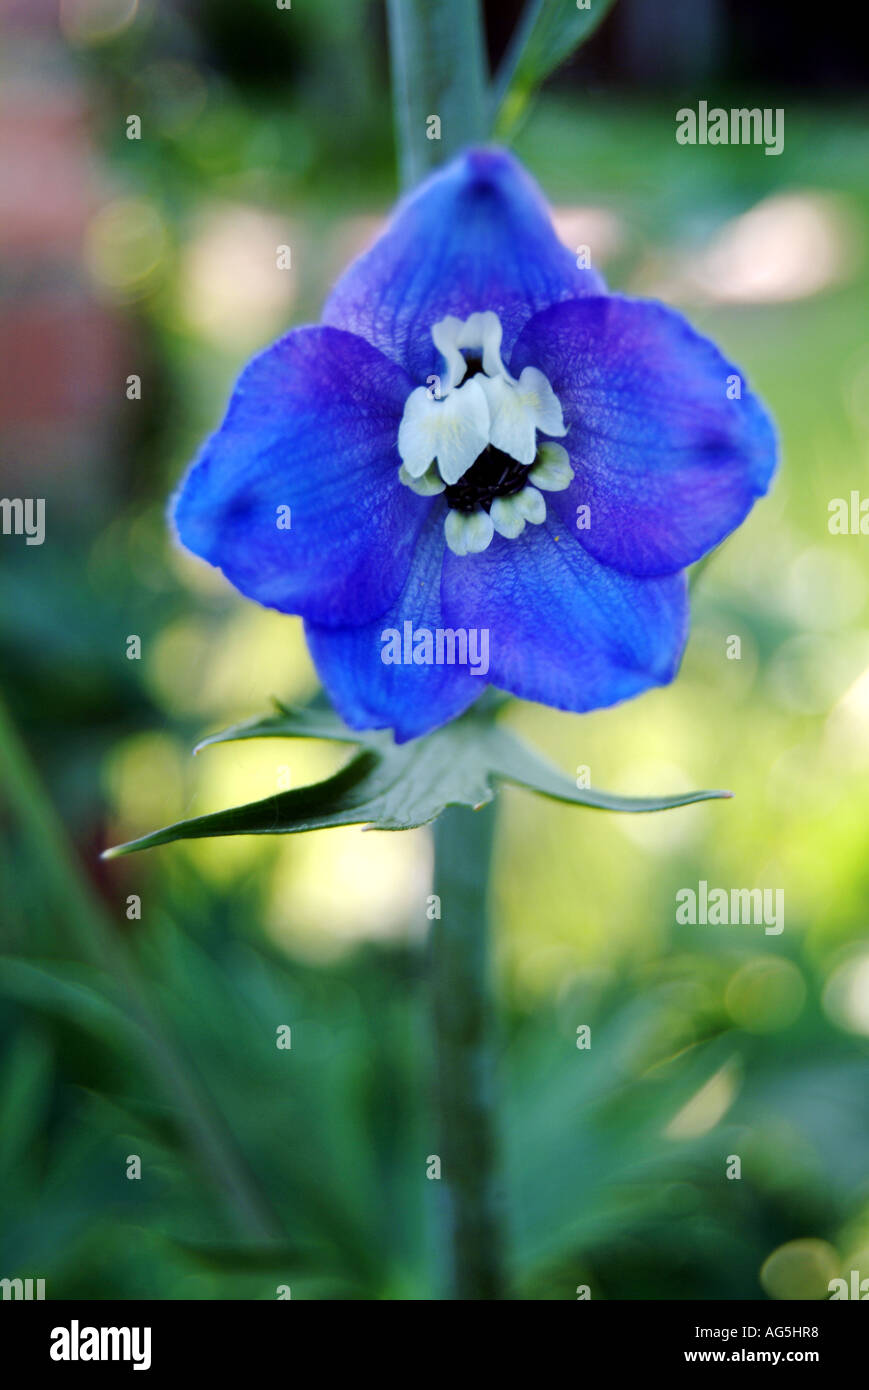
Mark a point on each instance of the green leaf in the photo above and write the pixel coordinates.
(513, 761)
(390, 786)
(547, 33)
(63, 990)
(288, 722)
(25, 1098)
(246, 1259)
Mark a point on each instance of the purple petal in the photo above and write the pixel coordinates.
(476, 235)
(667, 464)
(411, 699)
(312, 425)
(564, 629)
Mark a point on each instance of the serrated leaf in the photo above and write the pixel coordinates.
(289, 721)
(513, 761)
(389, 786)
(547, 33)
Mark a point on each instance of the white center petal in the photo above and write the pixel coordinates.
(483, 333)
(467, 533)
(532, 505)
(455, 431)
(479, 333)
(428, 485)
(512, 423)
(541, 402)
(552, 470)
(445, 336)
(507, 516)
(476, 439)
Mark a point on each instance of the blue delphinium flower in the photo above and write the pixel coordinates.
(479, 443)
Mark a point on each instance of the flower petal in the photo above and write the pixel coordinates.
(475, 236)
(429, 484)
(410, 698)
(512, 424)
(480, 333)
(466, 533)
(455, 430)
(312, 426)
(508, 516)
(564, 629)
(532, 504)
(668, 464)
(552, 470)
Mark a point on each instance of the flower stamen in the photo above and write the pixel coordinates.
(475, 440)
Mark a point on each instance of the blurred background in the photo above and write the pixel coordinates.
(139, 1001)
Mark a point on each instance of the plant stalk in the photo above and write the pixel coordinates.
(439, 82)
(464, 1085)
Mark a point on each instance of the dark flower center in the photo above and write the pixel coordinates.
(493, 474)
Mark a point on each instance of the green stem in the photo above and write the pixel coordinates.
(458, 964)
(438, 70)
(96, 938)
(440, 89)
